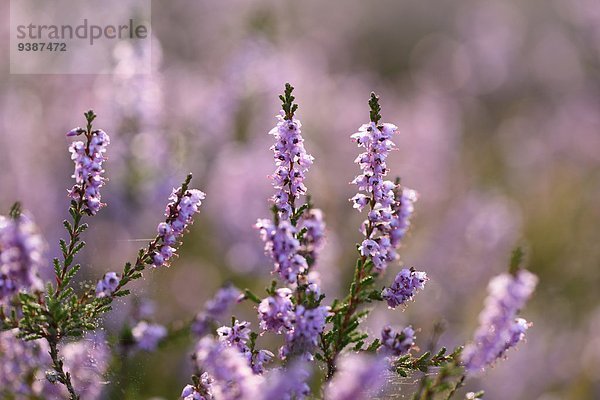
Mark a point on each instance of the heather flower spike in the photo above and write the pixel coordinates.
(88, 157)
(499, 327)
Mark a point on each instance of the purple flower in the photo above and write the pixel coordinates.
(292, 162)
(404, 287)
(287, 383)
(499, 329)
(259, 359)
(314, 225)
(276, 313)
(358, 377)
(108, 284)
(147, 336)
(88, 158)
(21, 249)
(390, 205)
(201, 392)
(376, 140)
(237, 336)
(403, 208)
(215, 308)
(179, 213)
(307, 325)
(283, 247)
(397, 343)
(19, 360)
(233, 377)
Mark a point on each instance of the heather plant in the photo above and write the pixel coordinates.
(52, 344)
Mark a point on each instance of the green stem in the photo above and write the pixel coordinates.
(57, 364)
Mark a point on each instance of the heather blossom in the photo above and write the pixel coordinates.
(292, 162)
(390, 205)
(202, 390)
(397, 343)
(404, 287)
(499, 328)
(359, 376)
(88, 158)
(179, 213)
(147, 336)
(108, 284)
(233, 377)
(313, 224)
(215, 308)
(237, 335)
(307, 325)
(288, 383)
(282, 246)
(276, 313)
(21, 249)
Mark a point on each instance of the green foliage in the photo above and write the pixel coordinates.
(287, 102)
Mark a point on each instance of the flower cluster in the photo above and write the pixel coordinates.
(233, 377)
(179, 212)
(238, 336)
(303, 337)
(283, 248)
(499, 328)
(292, 162)
(21, 249)
(88, 158)
(19, 361)
(276, 313)
(390, 205)
(359, 375)
(287, 383)
(404, 287)
(397, 343)
(201, 391)
(108, 284)
(147, 335)
(215, 308)
(313, 225)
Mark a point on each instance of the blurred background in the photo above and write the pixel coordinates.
(498, 107)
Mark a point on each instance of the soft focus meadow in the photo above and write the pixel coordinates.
(498, 109)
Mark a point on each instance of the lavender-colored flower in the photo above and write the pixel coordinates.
(402, 208)
(499, 329)
(21, 249)
(201, 392)
(292, 163)
(404, 287)
(276, 313)
(233, 377)
(215, 308)
(147, 336)
(376, 140)
(108, 284)
(88, 158)
(179, 213)
(312, 240)
(397, 343)
(358, 377)
(19, 361)
(259, 359)
(308, 324)
(283, 247)
(287, 383)
(390, 205)
(237, 336)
